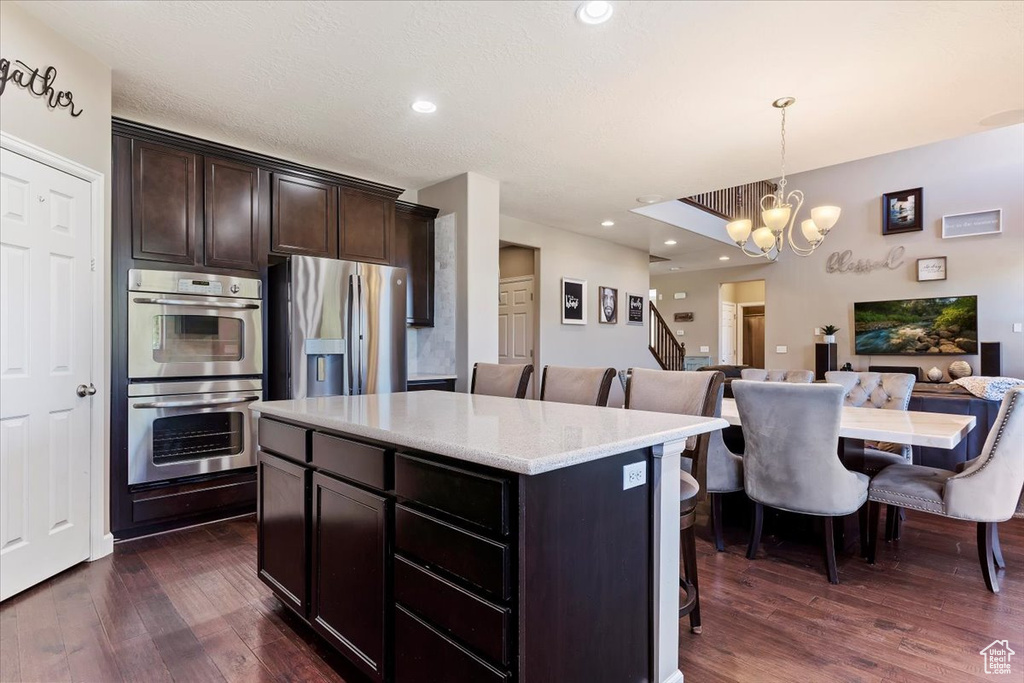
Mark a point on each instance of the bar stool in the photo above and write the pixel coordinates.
(491, 379)
(585, 386)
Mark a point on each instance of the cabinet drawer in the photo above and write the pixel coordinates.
(478, 499)
(474, 621)
(284, 439)
(478, 560)
(350, 459)
(422, 655)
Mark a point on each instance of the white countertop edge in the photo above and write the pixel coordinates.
(429, 376)
(497, 461)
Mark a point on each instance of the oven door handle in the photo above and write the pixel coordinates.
(195, 304)
(195, 404)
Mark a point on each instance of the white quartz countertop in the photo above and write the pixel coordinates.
(516, 435)
(430, 376)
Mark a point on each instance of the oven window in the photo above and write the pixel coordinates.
(197, 436)
(196, 339)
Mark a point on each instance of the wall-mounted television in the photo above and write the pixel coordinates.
(917, 327)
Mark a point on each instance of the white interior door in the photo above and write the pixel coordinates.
(727, 335)
(515, 321)
(46, 318)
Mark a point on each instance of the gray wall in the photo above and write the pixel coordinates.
(973, 173)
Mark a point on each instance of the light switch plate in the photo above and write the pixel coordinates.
(680, 332)
(705, 349)
(1017, 327)
(633, 475)
(781, 349)
(679, 295)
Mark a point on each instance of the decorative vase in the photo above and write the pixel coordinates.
(959, 368)
(935, 375)
(829, 338)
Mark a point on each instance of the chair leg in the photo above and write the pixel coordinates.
(862, 527)
(755, 531)
(892, 530)
(688, 582)
(716, 520)
(874, 510)
(986, 533)
(897, 525)
(997, 552)
(830, 552)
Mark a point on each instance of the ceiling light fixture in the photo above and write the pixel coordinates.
(723, 258)
(779, 215)
(649, 198)
(594, 12)
(670, 242)
(424, 107)
(607, 224)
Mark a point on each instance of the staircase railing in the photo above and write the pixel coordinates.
(667, 350)
(732, 203)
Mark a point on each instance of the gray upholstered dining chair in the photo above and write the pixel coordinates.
(684, 393)
(989, 489)
(886, 391)
(585, 386)
(793, 376)
(491, 379)
(724, 474)
(791, 461)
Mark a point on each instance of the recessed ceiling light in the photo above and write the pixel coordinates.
(670, 242)
(594, 12)
(723, 258)
(424, 107)
(607, 224)
(675, 268)
(649, 198)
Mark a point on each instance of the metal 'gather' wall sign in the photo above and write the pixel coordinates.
(39, 82)
(843, 262)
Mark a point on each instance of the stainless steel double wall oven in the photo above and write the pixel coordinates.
(195, 361)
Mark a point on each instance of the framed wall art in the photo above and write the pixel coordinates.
(931, 268)
(574, 301)
(971, 224)
(902, 211)
(607, 305)
(635, 305)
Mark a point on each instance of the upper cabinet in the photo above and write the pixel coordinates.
(165, 192)
(367, 227)
(414, 251)
(232, 215)
(305, 217)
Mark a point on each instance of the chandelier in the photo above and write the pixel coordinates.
(779, 212)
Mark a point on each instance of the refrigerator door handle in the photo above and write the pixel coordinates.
(350, 343)
(359, 296)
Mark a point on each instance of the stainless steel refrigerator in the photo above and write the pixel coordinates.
(335, 328)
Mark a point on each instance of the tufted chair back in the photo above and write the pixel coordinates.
(889, 390)
(793, 376)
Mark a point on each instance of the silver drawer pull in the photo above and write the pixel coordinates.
(195, 304)
(195, 404)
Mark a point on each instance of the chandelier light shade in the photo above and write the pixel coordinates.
(779, 211)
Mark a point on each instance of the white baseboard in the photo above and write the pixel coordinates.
(676, 677)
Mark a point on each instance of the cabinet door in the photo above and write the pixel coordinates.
(305, 217)
(165, 194)
(367, 227)
(414, 251)
(282, 516)
(349, 561)
(232, 215)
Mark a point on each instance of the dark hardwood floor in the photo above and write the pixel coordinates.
(187, 606)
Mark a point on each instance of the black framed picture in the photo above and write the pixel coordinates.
(902, 211)
(635, 309)
(607, 305)
(574, 301)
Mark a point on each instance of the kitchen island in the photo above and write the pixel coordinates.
(435, 536)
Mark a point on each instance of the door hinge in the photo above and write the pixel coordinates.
(92, 265)
(531, 296)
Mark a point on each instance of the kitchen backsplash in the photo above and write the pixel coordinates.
(432, 349)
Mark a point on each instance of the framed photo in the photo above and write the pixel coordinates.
(574, 301)
(635, 305)
(685, 317)
(902, 211)
(971, 224)
(607, 305)
(931, 268)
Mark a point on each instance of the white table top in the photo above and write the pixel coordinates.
(430, 376)
(939, 430)
(516, 435)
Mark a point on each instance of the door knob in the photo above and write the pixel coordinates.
(84, 390)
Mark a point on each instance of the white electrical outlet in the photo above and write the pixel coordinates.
(679, 295)
(1017, 327)
(705, 349)
(634, 474)
(781, 349)
(817, 330)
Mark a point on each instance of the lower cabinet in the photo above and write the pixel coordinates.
(283, 513)
(349, 556)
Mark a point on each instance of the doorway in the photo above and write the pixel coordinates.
(517, 305)
(741, 336)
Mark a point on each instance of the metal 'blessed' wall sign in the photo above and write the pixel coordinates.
(39, 82)
(843, 262)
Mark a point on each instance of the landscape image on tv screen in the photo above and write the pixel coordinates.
(940, 326)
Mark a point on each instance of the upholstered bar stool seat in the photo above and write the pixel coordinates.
(792, 376)
(584, 386)
(491, 379)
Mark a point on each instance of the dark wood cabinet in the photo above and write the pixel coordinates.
(304, 218)
(414, 251)
(232, 215)
(282, 528)
(367, 227)
(349, 569)
(165, 191)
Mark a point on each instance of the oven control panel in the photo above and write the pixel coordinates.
(208, 287)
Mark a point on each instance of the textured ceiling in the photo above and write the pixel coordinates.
(575, 121)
